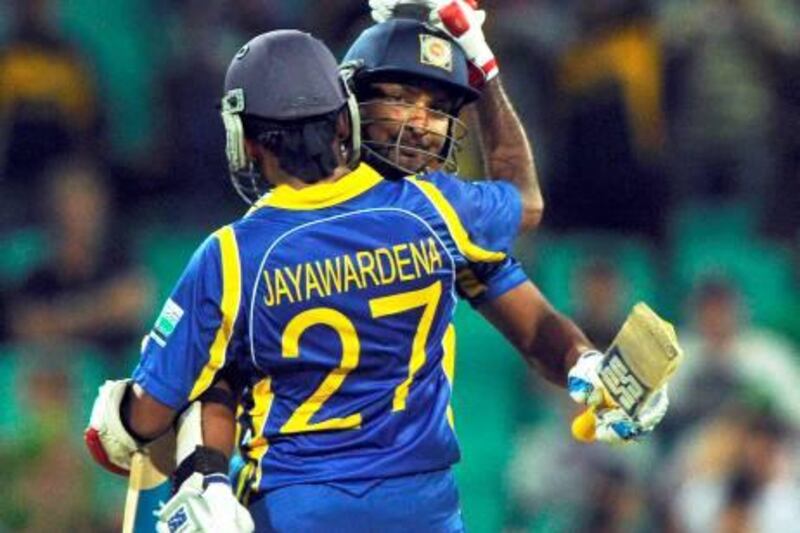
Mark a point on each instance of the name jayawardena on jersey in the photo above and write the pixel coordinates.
(343, 273)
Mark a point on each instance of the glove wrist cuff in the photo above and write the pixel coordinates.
(490, 69)
(205, 461)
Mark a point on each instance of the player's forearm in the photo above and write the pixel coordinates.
(219, 429)
(219, 423)
(555, 347)
(507, 151)
(547, 340)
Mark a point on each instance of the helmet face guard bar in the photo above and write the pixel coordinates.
(248, 182)
(390, 152)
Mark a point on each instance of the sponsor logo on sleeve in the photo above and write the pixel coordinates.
(166, 322)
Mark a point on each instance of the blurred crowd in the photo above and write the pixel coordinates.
(667, 141)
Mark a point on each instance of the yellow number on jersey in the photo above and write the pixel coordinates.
(400, 303)
(300, 421)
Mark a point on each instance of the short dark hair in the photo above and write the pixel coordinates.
(304, 148)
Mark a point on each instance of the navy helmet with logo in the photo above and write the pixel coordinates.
(281, 77)
(407, 51)
(405, 48)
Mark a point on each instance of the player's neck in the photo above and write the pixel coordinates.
(297, 183)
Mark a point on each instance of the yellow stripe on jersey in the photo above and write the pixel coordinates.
(259, 414)
(238, 417)
(243, 483)
(449, 365)
(469, 249)
(229, 307)
(321, 195)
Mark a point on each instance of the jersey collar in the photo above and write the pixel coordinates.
(322, 195)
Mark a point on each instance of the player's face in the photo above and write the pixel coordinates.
(407, 124)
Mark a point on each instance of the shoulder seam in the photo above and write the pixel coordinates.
(229, 308)
(458, 232)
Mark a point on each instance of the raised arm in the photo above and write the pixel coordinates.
(507, 152)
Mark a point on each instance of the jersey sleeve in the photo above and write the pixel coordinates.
(483, 282)
(191, 339)
(490, 211)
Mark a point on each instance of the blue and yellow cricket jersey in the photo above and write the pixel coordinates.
(332, 307)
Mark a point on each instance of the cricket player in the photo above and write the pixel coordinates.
(329, 307)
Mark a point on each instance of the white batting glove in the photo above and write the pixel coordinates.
(463, 21)
(383, 10)
(583, 380)
(108, 441)
(204, 504)
(612, 424)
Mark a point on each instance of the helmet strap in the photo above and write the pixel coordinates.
(232, 106)
(346, 73)
(245, 177)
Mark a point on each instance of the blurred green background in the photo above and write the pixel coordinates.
(666, 139)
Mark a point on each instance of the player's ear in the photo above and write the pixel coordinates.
(252, 149)
(343, 126)
(344, 141)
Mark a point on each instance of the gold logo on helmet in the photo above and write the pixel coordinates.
(436, 52)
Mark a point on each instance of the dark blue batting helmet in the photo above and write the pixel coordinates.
(282, 77)
(407, 51)
(403, 49)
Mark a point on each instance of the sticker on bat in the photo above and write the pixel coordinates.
(627, 391)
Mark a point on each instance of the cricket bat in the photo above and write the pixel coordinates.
(148, 484)
(644, 355)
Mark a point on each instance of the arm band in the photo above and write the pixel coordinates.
(219, 396)
(203, 460)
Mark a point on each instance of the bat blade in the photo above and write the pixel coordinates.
(134, 487)
(643, 356)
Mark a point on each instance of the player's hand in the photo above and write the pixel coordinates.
(463, 21)
(583, 380)
(204, 504)
(383, 10)
(107, 439)
(612, 424)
